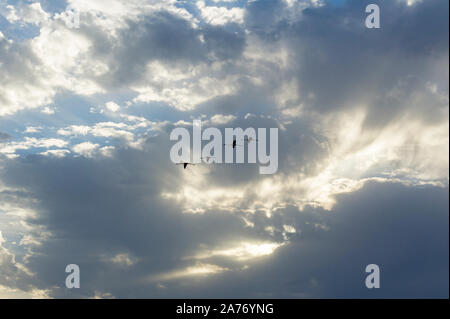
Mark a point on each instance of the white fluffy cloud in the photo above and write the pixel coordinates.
(9, 148)
(86, 148)
(216, 15)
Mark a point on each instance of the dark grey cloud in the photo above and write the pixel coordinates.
(340, 65)
(224, 44)
(402, 229)
(102, 208)
(113, 206)
(4, 136)
(160, 36)
(344, 64)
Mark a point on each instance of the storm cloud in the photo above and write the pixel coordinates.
(363, 145)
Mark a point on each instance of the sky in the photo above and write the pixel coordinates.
(363, 149)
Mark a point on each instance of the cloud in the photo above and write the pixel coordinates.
(220, 119)
(10, 148)
(111, 106)
(12, 283)
(215, 15)
(4, 136)
(221, 246)
(33, 129)
(48, 110)
(86, 148)
(86, 62)
(57, 153)
(363, 150)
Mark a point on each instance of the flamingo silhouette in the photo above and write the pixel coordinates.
(234, 144)
(185, 164)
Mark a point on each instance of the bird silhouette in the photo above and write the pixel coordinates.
(234, 144)
(185, 164)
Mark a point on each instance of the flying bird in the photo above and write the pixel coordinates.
(185, 165)
(234, 144)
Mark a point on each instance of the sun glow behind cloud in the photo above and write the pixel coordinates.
(241, 252)
(84, 134)
(198, 270)
(355, 155)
